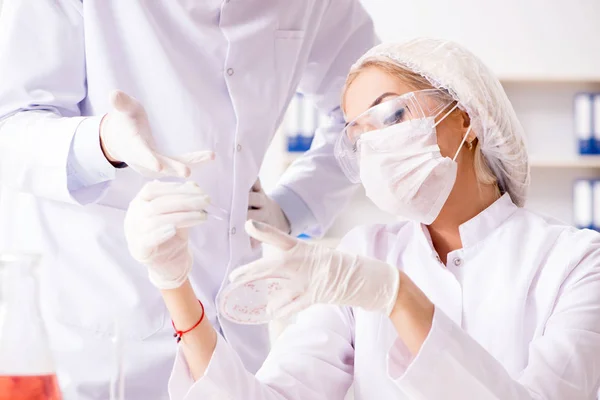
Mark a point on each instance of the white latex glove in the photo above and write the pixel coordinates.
(315, 274)
(125, 136)
(264, 209)
(156, 228)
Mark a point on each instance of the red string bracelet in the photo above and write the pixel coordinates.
(179, 334)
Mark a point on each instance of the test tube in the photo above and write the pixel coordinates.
(117, 382)
(217, 213)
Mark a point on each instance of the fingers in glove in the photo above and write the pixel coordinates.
(151, 240)
(156, 189)
(254, 244)
(180, 220)
(181, 165)
(126, 104)
(144, 157)
(179, 203)
(257, 187)
(196, 158)
(257, 215)
(259, 269)
(171, 167)
(256, 200)
(270, 235)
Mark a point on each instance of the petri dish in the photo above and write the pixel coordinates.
(246, 303)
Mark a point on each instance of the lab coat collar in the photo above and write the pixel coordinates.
(486, 222)
(483, 224)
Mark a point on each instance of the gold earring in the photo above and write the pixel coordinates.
(470, 145)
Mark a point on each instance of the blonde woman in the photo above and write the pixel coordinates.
(473, 297)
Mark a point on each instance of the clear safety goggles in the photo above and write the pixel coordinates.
(416, 105)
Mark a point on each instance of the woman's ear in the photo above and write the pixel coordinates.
(466, 120)
(466, 123)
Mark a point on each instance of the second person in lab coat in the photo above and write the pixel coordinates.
(472, 297)
(211, 75)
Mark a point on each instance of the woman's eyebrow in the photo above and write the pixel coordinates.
(380, 98)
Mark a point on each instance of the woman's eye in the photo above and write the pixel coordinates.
(396, 117)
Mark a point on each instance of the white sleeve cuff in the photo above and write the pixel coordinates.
(88, 171)
(399, 358)
(451, 364)
(223, 364)
(428, 374)
(301, 218)
(87, 159)
(408, 371)
(181, 379)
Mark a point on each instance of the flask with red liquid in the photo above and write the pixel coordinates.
(27, 370)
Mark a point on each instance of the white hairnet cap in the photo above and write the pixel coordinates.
(450, 66)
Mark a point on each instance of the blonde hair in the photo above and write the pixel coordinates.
(484, 174)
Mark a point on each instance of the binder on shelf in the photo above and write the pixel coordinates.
(596, 204)
(301, 121)
(583, 107)
(595, 116)
(583, 203)
(293, 122)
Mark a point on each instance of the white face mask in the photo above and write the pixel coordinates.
(403, 171)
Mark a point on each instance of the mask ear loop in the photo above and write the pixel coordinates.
(466, 134)
(445, 115)
(461, 143)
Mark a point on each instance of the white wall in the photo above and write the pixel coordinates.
(532, 39)
(544, 51)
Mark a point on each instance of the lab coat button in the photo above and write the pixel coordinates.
(230, 71)
(239, 147)
(233, 230)
(457, 262)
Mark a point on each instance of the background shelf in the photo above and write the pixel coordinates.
(572, 162)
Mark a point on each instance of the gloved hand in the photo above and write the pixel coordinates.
(314, 274)
(264, 209)
(125, 136)
(156, 229)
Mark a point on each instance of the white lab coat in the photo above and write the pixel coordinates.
(517, 316)
(212, 74)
